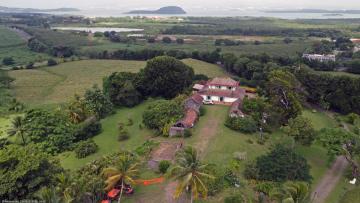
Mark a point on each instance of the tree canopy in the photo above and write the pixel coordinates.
(24, 170)
(166, 76)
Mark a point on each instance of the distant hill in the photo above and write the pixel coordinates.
(34, 10)
(315, 11)
(168, 10)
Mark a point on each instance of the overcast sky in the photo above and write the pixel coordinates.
(187, 4)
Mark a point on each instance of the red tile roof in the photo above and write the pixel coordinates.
(197, 98)
(190, 118)
(224, 82)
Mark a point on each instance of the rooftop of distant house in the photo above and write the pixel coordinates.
(224, 82)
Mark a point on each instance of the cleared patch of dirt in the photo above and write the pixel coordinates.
(165, 151)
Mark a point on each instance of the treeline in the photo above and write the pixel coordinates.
(251, 31)
(341, 93)
(146, 54)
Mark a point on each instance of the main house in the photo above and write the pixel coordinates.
(225, 91)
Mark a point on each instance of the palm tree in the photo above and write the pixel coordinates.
(17, 128)
(190, 173)
(292, 192)
(124, 172)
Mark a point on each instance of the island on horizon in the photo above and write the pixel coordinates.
(168, 10)
(34, 10)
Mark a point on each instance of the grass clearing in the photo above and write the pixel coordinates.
(55, 85)
(11, 45)
(107, 140)
(201, 67)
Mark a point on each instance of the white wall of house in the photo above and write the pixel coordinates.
(218, 99)
(222, 87)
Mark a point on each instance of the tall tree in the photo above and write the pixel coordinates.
(285, 94)
(190, 173)
(17, 128)
(124, 172)
(339, 142)
(291, 192)
(24, 170)
(166, 76)
(301, 129)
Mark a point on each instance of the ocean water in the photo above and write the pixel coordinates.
(214, 13)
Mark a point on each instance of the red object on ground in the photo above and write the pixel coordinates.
(151, 181)
(105, 201)
(113, 193)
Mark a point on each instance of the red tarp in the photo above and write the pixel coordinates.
(113, 193)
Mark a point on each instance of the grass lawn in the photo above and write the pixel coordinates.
(52, 85)
(200, 67)
(351, 196)
(107, 140)
(11, 45)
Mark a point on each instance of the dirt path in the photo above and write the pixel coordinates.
(332, 176)
(206, 134)
(330, 180)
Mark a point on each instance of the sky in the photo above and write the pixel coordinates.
(186, 4)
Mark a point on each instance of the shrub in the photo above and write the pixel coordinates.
(87, 129)
(244, 125)
(280, 164)
(30, 65)
(187, 133)
(164, 166)
(130, 122)
(151, 40)
(123, 135)
(237, 198)
(166, 40)
(85, 148)
(352, 117)
(8, 61)
(145, 148)
(52, 62)
(180, 41)
(98, 34)
(202, 111)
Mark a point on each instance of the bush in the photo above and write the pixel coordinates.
(52, 62)
(130, 122)
(151, 40)
(187, 133)
(202, 111)
(85, 148)
(244, 125)
(30, 65)
(146, 148)
(98, 34)
(180, 41)
(123, 135)
(352, 117)
(164, 166)
(166, 40)
(8, 61)
(87, 129)
(238, 198)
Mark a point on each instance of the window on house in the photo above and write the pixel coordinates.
(221, 99)
(208, 97)
(230, 88)
(219, 87)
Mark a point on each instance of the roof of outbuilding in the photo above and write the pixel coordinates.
(224, 82)
(190, 118)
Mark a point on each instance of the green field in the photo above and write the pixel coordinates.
(54, 85)
(107, 140)
(11, 45)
